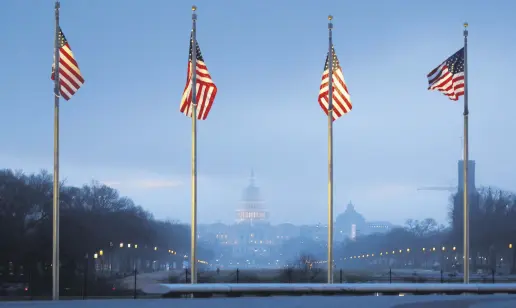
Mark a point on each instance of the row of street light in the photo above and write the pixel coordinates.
(393, 252)
(433, 249)
(398, 251)
(100, 253)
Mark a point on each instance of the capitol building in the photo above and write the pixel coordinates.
(252, 241)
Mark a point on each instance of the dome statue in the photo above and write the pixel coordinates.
(252, 193)
(350, 217)
(252, 207)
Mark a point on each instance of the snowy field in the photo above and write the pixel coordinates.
(470, 301)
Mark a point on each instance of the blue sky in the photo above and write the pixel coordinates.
(124, 126)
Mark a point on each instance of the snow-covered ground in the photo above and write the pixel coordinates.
(471, 301)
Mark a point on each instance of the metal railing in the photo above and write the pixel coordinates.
(269, 289)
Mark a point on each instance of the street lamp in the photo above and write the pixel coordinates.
(121, 245)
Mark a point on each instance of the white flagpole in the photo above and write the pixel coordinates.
(55, 214)
(330, 153)
(193, 243)
(466, 159)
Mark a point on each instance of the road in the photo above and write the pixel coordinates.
(144, 279)
(472, 301)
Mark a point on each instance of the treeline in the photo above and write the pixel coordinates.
(93, 218)
(492, 235)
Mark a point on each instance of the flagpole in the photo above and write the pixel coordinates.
(193, 243)
(55, 214)
(466, 159)
(330, 152)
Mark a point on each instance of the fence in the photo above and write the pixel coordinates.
(292, 275)
(129, 285)
(72, 285)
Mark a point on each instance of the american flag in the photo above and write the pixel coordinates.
(448, 77)
(341, 101)
(70, 77)
(206, 88)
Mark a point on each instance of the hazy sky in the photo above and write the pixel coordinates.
(124, 127)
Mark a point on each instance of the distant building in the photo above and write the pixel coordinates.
(378, 227)
(252, 205)
(253, 242)
(349, 224)
(353, 232)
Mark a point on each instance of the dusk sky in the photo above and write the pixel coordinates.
(124, 128)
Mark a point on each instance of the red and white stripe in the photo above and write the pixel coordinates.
(70, 77)
(341, 100)
(442, 80)
(206, 92)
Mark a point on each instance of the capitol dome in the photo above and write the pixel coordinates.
(252, 205)
(350, 217)
(252, 192)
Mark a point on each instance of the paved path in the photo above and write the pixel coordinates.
(144, 279)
